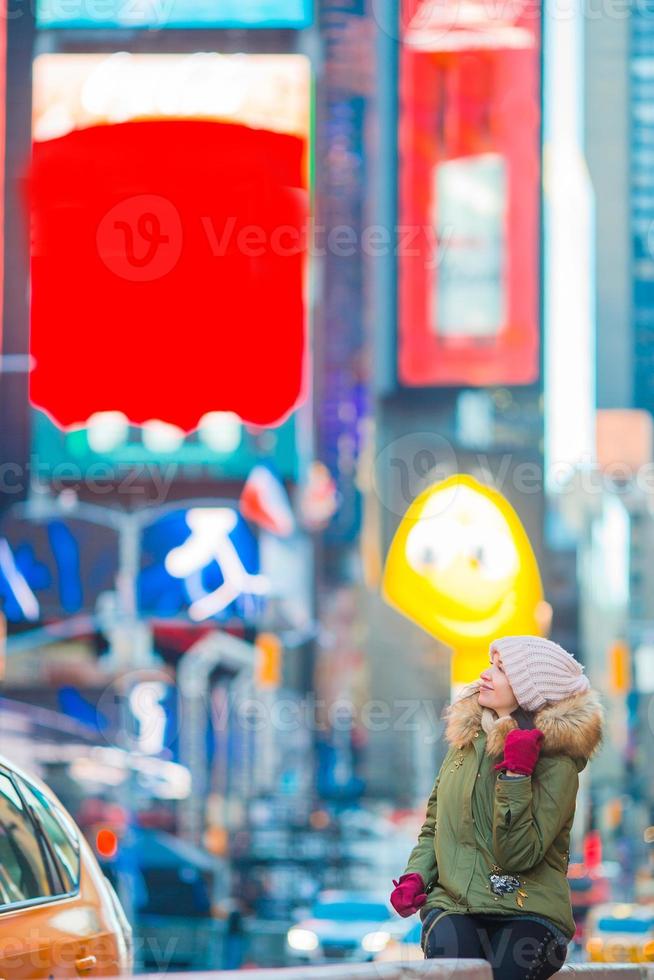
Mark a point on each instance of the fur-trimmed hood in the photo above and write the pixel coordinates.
(571, 727)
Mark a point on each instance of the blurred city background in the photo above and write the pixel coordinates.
(274, 274)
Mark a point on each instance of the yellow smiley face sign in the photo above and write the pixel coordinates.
(462, 567)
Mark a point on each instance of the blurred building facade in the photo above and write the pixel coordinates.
(608, 146)
(641, 88)
(616, 598)
(616, 590)
(619, 143)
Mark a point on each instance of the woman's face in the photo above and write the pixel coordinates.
(495, 691)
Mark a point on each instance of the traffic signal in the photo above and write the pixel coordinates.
(619, 667)
(106, 843)
(613, 813)
(592, 850)
(268, 667)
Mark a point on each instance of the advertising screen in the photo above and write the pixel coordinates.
(469, 298)
(469, 194)
(180, 185)
(162, 14)
(3, 87)
(54, 567)
(203, 563)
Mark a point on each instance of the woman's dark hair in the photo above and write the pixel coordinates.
(524, 718)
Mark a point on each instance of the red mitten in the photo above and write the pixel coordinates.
(408, 894)
(521, 750)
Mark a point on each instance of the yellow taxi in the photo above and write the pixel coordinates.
(59, 916)
(620, 933)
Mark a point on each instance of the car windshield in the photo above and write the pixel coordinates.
(610, 924)
(367, 911)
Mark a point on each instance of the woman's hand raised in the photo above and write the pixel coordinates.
(521, 751)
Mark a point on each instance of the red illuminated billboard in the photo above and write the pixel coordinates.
(469, 193)
(3, 100)
(169, 197)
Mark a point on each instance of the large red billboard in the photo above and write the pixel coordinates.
(3, 99)
(469, 193)
(169, 202)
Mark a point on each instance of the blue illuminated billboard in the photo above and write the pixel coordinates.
(162, 14)
(204, 563)
(54, 568)
(201, 563)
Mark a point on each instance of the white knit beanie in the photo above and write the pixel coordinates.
(539, 670)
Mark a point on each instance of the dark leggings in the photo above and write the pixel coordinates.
(516, 947)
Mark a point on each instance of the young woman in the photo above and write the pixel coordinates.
(488, 873)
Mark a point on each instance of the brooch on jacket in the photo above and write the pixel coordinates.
(501, 884)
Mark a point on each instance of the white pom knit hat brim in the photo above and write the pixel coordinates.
(539, 670)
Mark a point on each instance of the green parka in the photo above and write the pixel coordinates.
(501, 846)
